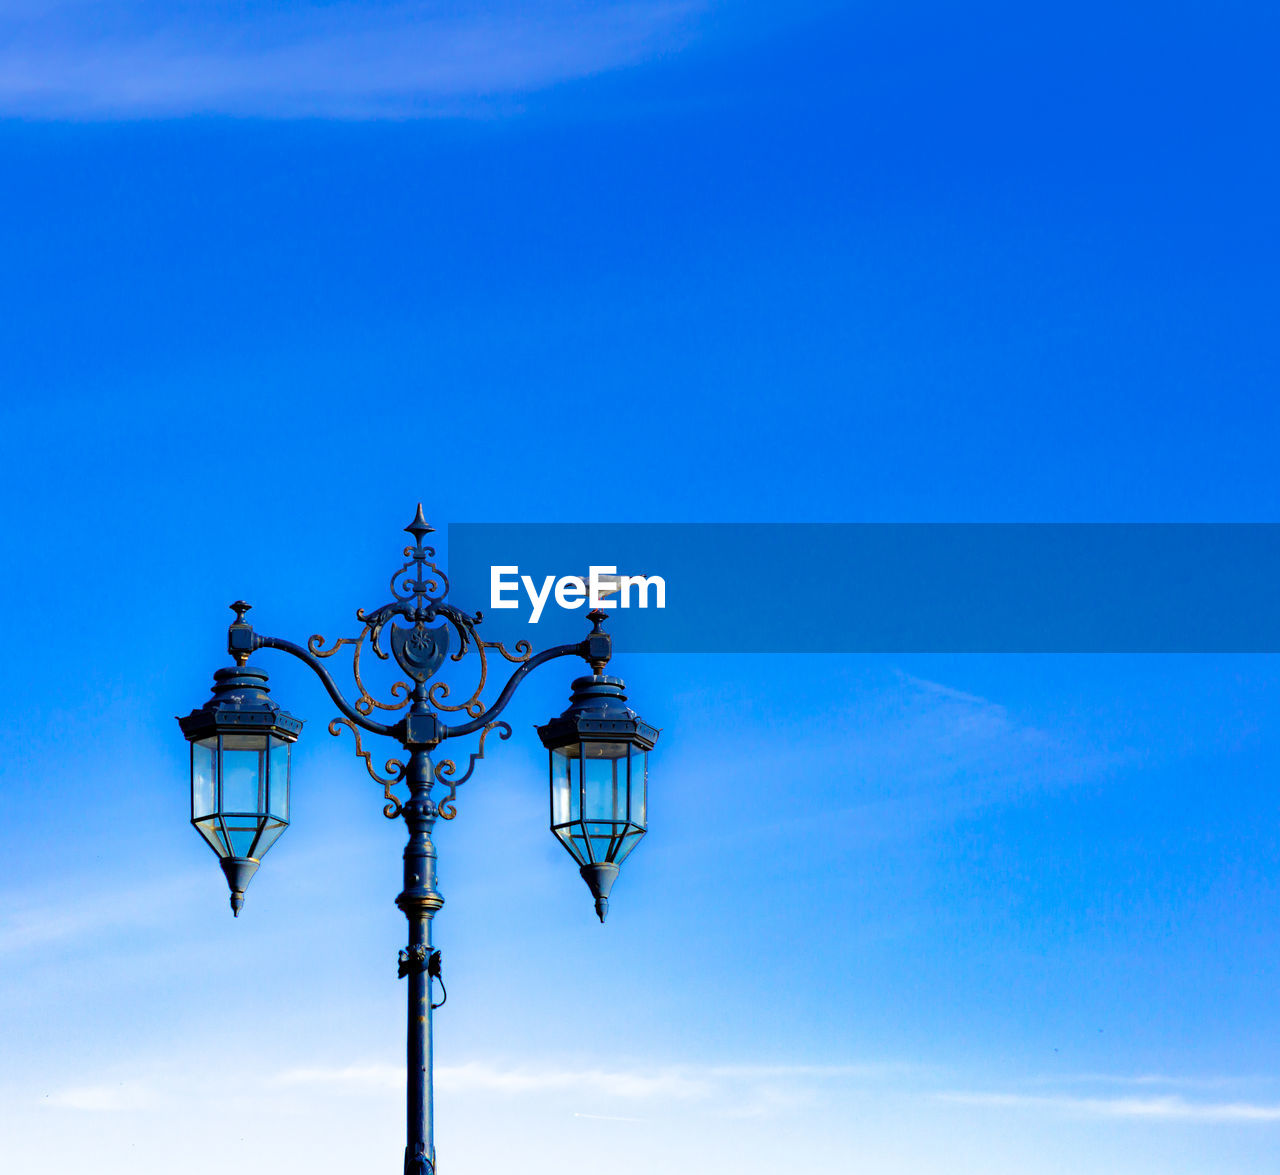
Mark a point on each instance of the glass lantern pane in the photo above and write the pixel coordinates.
(563, 835)
(561, 800)
(242, 831)
(639, 791)
(604, 788)
(602, 840)
(269, 835)
(629, 842)
(211, 830)
(279, 779)
(202, 776)
(244, 774)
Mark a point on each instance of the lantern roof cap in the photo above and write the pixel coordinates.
(240, 702)
(598, 710)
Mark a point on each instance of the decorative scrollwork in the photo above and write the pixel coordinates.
(393, 767)
(419, 630)
(524, 650)
(447, 768)
(418, 588)
(431, 584)
(366, 702)
(315, 644)
(405, 596)
(473, 706)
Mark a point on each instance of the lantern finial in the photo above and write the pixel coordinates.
(239, 870)
(600, 876)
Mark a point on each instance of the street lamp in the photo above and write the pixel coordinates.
(599, 752)
(241, 739)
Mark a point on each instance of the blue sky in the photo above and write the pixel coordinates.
(274, 273)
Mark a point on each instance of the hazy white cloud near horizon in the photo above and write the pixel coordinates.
(83, 60)
(1166, 1108)
(707, 1089)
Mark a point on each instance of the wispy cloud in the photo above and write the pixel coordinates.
(750, 1090)
(678, 1083)
(30, 920)
(1153, 1080)
(108, 1097)
(922, 754)
(1170, 1108)
(645, 1092)
(85, 59)
(914, 754)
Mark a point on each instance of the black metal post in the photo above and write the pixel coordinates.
(419, 901)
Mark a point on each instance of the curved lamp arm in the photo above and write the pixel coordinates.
(583, 649)
(275, 642)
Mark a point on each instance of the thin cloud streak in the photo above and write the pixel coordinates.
(412, 59)
(1146, 1079)
(105, 1098)
(920, 755)
(747, 1091)
(753, 1089)
(1172, 1109)
(479, 1076)
(734, 1089)
(27, 924)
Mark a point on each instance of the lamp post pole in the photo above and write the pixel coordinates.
(599, 815)
(419, 900)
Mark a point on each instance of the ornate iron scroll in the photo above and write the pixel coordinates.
(416, 630)
(393, 767)
(366, 702)
(446, 768)
(473, 707)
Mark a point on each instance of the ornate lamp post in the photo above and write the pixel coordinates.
(240, 743)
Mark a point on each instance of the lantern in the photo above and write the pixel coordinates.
(240, 744)
(599, 756)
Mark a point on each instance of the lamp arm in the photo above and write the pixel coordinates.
(275, 642)
(583, 649)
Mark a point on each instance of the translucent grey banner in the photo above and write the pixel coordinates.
(876, 588)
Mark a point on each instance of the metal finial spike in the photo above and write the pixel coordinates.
(238, 872)
(600, 876)
(419, 527)
(240, 607)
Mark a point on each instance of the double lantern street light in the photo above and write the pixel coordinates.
(241, 741)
